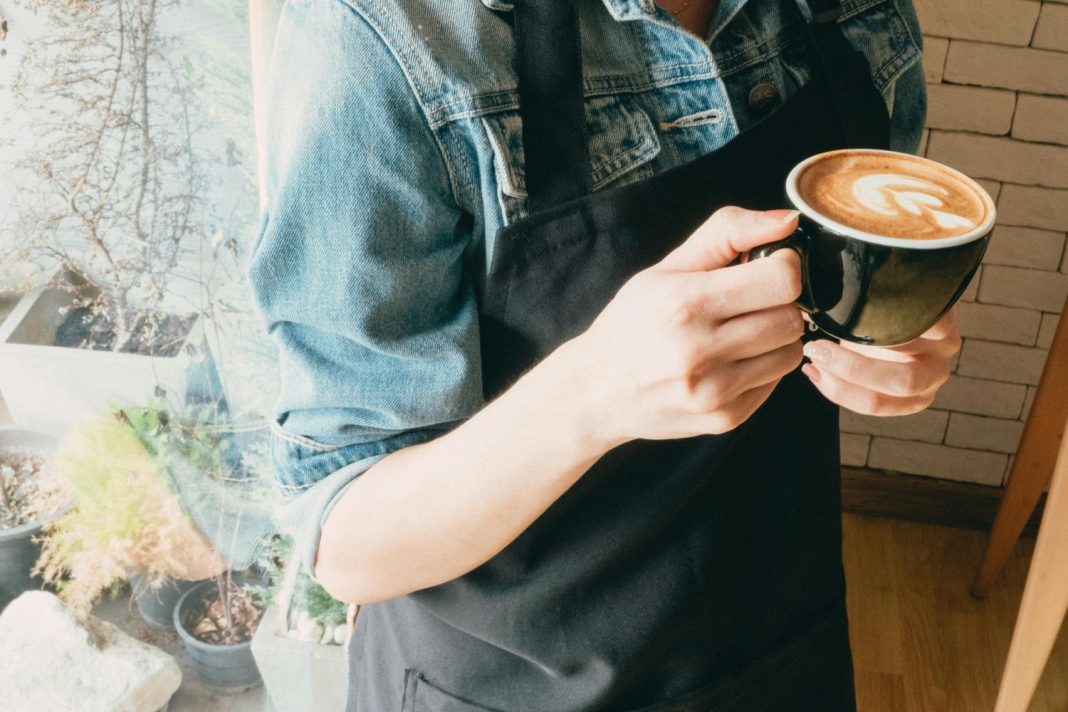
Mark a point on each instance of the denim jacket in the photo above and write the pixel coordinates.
(394, 154)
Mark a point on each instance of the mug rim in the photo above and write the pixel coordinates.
(975, 233)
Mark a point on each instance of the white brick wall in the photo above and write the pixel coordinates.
(997, 73)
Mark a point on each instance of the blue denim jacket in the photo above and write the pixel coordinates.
(394, 154)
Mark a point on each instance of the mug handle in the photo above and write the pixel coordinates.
(798, 242)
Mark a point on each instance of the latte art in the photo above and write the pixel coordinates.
(893, 195)
(878, 191)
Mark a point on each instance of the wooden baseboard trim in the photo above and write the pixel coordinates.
(925, 499)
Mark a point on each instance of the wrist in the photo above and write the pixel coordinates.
(584, 406)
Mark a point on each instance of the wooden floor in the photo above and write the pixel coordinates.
(921, 643)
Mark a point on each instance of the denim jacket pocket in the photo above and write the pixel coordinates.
(622, 143)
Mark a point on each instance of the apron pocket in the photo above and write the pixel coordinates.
(421, 696)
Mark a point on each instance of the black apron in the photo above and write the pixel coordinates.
(683, 575)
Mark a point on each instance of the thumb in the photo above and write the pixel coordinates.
(731, 231)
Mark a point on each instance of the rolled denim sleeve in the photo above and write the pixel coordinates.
(359, 267)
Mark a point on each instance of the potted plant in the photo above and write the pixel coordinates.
(212, 472)
(299, 646)
(216, 621)
(111, 196)
(28, 500)
(123, 518)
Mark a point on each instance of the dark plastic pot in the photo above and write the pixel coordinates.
(227, 668)
(157, 605)
(18, 553)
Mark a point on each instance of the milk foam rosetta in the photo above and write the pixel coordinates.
(892, 195)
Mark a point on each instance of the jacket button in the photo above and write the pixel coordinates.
(763, 96)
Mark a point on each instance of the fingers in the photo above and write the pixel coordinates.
(744, 288)
(740, 411)
(748, 335)
(903, 377)
(729, 232)
(718, 389)
(766, 368)
(863, 400)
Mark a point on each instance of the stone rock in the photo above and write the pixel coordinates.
(51, 661)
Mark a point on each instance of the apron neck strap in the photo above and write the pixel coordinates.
(847, 77)
(549, 73)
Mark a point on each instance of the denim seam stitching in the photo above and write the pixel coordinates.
(300, 439)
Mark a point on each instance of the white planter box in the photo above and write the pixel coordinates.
(55, 387)
(299, 676)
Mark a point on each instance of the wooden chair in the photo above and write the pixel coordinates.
(1033, 467)
(1045, 598)
(1041, 458)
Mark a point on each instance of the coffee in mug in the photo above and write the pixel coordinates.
(888, 241)
(892, 194)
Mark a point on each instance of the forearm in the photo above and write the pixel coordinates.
(432, 512)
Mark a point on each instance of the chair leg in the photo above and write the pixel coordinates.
(1045, 598)
(1034, 462)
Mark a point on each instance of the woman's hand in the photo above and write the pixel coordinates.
(695, 344)
(894, 380)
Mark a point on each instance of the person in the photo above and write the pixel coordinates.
(537, 416)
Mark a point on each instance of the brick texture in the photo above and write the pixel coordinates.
(961, 108)
(978, 433)
(990, 186)
(997, 109)
(855, 449)
(997, 323)
(949, 463)
(981, 397)
(934, 58)
(1002, 21)
(1028, 400)
(926, 426)
(1001, 362)
(1033, 207)
(1046, 330)
(1028, 288)
(1025, 247)
(1004, 159)
(1041, 118)
(992, 65)
(1052, 29)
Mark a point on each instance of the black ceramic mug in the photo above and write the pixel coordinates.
(872, 289)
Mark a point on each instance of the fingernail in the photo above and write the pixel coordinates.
(817, 352)
(812, 372)
(778, 217)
